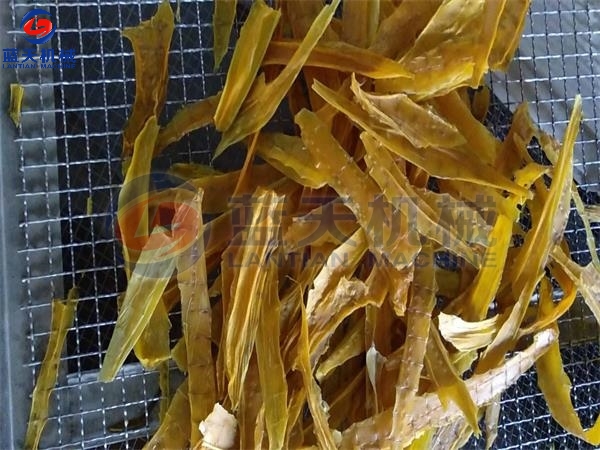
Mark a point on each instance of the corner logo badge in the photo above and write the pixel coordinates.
(39, 29)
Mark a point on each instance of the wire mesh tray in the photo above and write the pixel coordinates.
(65, 157)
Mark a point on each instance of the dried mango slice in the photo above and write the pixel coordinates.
(195, 313)
(313, 392)
(349, 181)
(508, 36)
(223, 19)
(428, 410)
(418, 321)
(468, 336)
(63, 313)
(400, 193)
(339, 56)
(245, 63)
(152, 348)
(478, 137)
(151, 40)
(191, 117)
(249, 290)
(422, 126)
(271, 372)
(351, 345)
(146, 285)
(556, 387)
(174, 430)
(347, 297)
(409, 16)
(288, 155)
(449, 385)
(360, 21)
(439, 162)
(133, 201)
(529, 265)
(16, 100)
(264, 99)
(448, 52)
(179, 355)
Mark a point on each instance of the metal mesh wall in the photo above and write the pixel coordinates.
(68, 149)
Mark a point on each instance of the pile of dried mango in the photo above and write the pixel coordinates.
(334, 318)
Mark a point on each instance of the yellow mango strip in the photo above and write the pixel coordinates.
(222, 22)
(313, 392)
(428, 410)
(532, 258)
(219, 189)
(251, 402)
(132, 213)
(63, 313)
(345, 176)
(300, 15)
(179, 355)
(195, 312)
(423, 442)
(185, 171)
(421, 126)
(338, 56)
(492, 12)
(452, 436)
(438, 162)
(474, 303)
(556, 387)
(289, 156)
(418, 321)
(480, 140)
(293, 432)
(250, 49)
(174, 430)
(190, 117)
(587, 279)
(410, 16)
(468, 336)
(360, 21)
(481, 103)
(151, 40)
(305, 229)
(399, 192)
(454, 33)
(16, 100)
(263, 100)
(146, 285)
(271, 373)
(351, 345)
(259, 429)
(345, 399)
(152, 348)
(231, 260)
(551, 148)
(347, 297)
(552, 314)
(248, 292)
(164, 386)
(446, 379)
(492, 416)
(341, 262)
(508, 36)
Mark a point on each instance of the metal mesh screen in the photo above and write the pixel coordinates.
(68, 149)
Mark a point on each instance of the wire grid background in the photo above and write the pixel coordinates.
(72, 155)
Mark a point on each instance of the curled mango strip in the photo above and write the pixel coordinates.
(63, 313)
